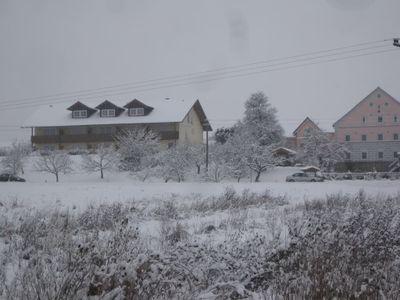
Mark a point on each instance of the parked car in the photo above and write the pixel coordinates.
(347, 176)
(304, 177)
(10, 177)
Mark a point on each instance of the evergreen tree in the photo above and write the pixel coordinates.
(260, 121)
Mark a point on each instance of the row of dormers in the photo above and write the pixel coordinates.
(108, 109)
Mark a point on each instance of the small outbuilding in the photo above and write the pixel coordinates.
(287, 156)
(311, 169)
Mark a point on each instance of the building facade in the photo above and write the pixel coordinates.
(296, 142)
(82, 126)
(370, 131)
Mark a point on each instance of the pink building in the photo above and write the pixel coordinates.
(371, 131)
(296, 142)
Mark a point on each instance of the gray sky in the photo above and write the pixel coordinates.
(51, 47)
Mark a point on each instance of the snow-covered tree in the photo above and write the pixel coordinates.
(260, 158)
(197, 156)
(13, 162)
(236, 158)
(135, 146)
(103, 159)
(260, 120)
(174, 163)
(217, 165)
(254, 138)
(54, 162)
(321, 151)
(223, 134)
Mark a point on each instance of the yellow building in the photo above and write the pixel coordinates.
(83, 126)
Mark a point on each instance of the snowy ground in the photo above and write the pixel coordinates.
(80, 189)
(159, 211)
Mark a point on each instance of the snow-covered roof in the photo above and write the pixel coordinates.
(310, 169)
(286, 150)
(165, 111)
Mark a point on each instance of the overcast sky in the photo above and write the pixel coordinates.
(52, 47)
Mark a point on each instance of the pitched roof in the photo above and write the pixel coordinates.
(284, 150)
(80, 106)
(307, 119)
(108, 105)
(378, 89)
(135, 103)
(171, 111)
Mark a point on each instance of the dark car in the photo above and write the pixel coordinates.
(11, 177)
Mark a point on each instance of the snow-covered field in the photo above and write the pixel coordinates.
(80, 189)
(195, 239)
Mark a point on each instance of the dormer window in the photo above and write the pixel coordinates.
(137, 108)
(109, 110)
(79, 114)
(139, 111)
(80, 110)
(107, 113)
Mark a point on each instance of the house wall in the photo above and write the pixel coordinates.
(301, 131)
(86, 137)
(363, 120)
(190, 129)
(378, 104)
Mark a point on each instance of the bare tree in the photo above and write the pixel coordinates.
(197, 156)
(135, 145)
(217, 167)
(321, 151)
(103, 159)
(234, 152)
(260, 158)
(13, 162)
(54, 162)
(174, 163)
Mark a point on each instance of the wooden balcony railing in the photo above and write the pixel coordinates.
(90, 138)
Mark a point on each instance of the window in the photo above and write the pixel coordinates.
(380, 119)
(347, 138)
(364, 137)
(364, 119)
(395, 136)
(395, 154)
(108, 113)
(380, 155)
(364, 155)
(371, 104)
(395, 119)
(136, 111)
(380, 137)
(78, 114)
(348, 156)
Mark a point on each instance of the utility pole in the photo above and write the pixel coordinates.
(207, 151)
(396, 42)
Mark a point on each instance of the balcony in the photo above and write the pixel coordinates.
(90, 138)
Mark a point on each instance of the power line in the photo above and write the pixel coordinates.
(224, 76)
(202, 72)
(197, 75)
